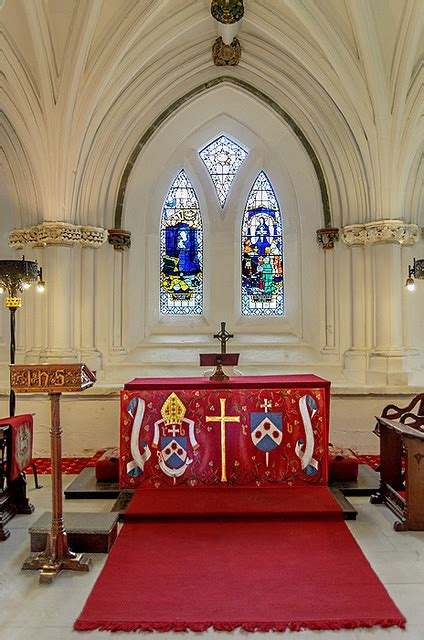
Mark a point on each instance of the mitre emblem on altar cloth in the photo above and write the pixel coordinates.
(171, 438)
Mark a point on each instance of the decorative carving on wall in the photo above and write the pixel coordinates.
(227, 11)
(119, 239)
(226, 54)
(327, 237)
(381, 231)
(63, 233)
(50, 378)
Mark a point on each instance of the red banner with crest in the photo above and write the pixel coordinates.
(21, 442)
(237, 434)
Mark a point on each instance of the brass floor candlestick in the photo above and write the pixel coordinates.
(54, 379)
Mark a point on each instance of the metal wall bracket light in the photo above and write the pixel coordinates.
(416, 271)
(15, 277)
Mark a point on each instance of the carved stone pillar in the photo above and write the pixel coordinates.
(35, 317)
(89, 354)
(59, 293)
(388, 359)
(326, 238)
(54, 337)
(356, 358)
(121, 242)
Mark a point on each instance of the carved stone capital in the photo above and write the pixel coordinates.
(227, 11)
(63, 233)
(226, 54)
(381, 231)
(119, 239)
(327, 237)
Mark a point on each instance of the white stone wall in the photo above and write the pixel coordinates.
(83, 88)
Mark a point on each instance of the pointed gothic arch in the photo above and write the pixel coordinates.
(199, 90)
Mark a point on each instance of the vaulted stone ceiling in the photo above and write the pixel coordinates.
(82, 80)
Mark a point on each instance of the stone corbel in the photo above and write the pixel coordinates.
(57, 233)
(381, 231)
(327, 237)
(119, 239)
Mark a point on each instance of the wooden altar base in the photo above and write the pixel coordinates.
(87, 532)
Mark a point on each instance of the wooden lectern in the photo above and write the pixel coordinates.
(218, 360)
(54, 379)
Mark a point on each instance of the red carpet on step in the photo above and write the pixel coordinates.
(258, 574)
(299, 503)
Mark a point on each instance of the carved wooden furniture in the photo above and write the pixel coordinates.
(403, 414)
(54, 379)
(13, 497)
(402, 492)
(7, 505)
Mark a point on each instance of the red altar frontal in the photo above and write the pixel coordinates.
(247, 431)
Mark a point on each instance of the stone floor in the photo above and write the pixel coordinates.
(31, 611)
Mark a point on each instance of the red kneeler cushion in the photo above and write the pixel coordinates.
(342, 464)
(107, 466)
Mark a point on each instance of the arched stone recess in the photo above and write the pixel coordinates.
(22, 127)
(119, 130)
(160, 342)
(413, 188)
(258, 94)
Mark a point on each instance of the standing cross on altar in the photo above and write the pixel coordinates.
(223, 419)
(223, 336)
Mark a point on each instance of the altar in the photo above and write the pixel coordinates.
(247, 431)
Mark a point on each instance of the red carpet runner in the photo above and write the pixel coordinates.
(258, 573)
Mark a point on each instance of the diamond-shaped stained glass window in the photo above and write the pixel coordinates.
(223, 158)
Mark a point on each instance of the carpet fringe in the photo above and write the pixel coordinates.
(81, 625)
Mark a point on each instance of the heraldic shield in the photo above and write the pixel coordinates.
(172, 436)
(266, 430)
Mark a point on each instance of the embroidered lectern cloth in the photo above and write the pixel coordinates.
(248, 431)
(22, 437)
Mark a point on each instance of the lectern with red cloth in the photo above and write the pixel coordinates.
(21, 428)
(248, 431)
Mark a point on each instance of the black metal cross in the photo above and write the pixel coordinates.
(223, 336)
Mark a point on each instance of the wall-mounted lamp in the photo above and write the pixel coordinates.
(15, 277)
(416, 271)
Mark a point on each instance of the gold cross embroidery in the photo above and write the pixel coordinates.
(223, 419)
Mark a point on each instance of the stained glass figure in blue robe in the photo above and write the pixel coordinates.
(181, 250)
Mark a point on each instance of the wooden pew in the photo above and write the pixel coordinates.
(402, 491)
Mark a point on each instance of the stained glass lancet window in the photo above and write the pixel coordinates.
(181, 248)
(262, 292)
(222, 158)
